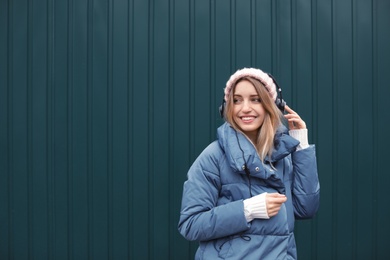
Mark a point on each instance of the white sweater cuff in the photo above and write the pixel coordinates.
(256, 207)
(301, 136)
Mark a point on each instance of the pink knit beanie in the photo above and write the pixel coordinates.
(258, 74)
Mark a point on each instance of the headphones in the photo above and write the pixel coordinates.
(279, 102)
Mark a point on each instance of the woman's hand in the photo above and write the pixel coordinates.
(294, 120)
(274, 201)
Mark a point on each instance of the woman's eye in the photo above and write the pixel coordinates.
(235, 100)
(257, 100)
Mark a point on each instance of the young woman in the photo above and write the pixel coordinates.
(245, 189)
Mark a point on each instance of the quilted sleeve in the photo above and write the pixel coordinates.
(306, 186)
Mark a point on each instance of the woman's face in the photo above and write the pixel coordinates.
(248, 112)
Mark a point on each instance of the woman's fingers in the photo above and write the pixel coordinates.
(294, 120)
(274, 201)
(289, 110)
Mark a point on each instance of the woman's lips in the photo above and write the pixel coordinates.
(248, 119)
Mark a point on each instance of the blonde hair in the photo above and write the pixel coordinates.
(272, 118)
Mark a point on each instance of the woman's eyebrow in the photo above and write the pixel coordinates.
(251, 95)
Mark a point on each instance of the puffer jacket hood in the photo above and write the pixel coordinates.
(235, 144)
(237, 147)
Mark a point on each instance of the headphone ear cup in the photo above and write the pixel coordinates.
(281, 104)
(222, 109)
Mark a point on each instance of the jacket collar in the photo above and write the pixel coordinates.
(237, 147)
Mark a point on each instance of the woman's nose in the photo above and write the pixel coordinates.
(246, 106)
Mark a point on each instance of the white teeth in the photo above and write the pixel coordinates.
(247, 118)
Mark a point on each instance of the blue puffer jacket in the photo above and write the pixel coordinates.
(212, 209)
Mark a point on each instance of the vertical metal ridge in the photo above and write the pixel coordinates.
(314, 65)
(29, 152)
(274, 38)
(128, 125)
(110, 171)
(233, 25)
(355, 131)
(253, 33)
(150, 145)
(50, 124)
(89, 187)
(130, 109)
(191, 97)
(212, 65)
(70, 120)
(294, 50)
(375, 109)
(335, 155)
(315, 114)
(10, 135)
(171, 121)
(192, 82)
(212, 81)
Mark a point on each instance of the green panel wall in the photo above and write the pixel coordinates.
(104, 104)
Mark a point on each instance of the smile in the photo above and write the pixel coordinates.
(248, 118)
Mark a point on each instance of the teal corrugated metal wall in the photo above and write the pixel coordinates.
(105, 104)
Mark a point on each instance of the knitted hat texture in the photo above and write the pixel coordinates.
(258, 74)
